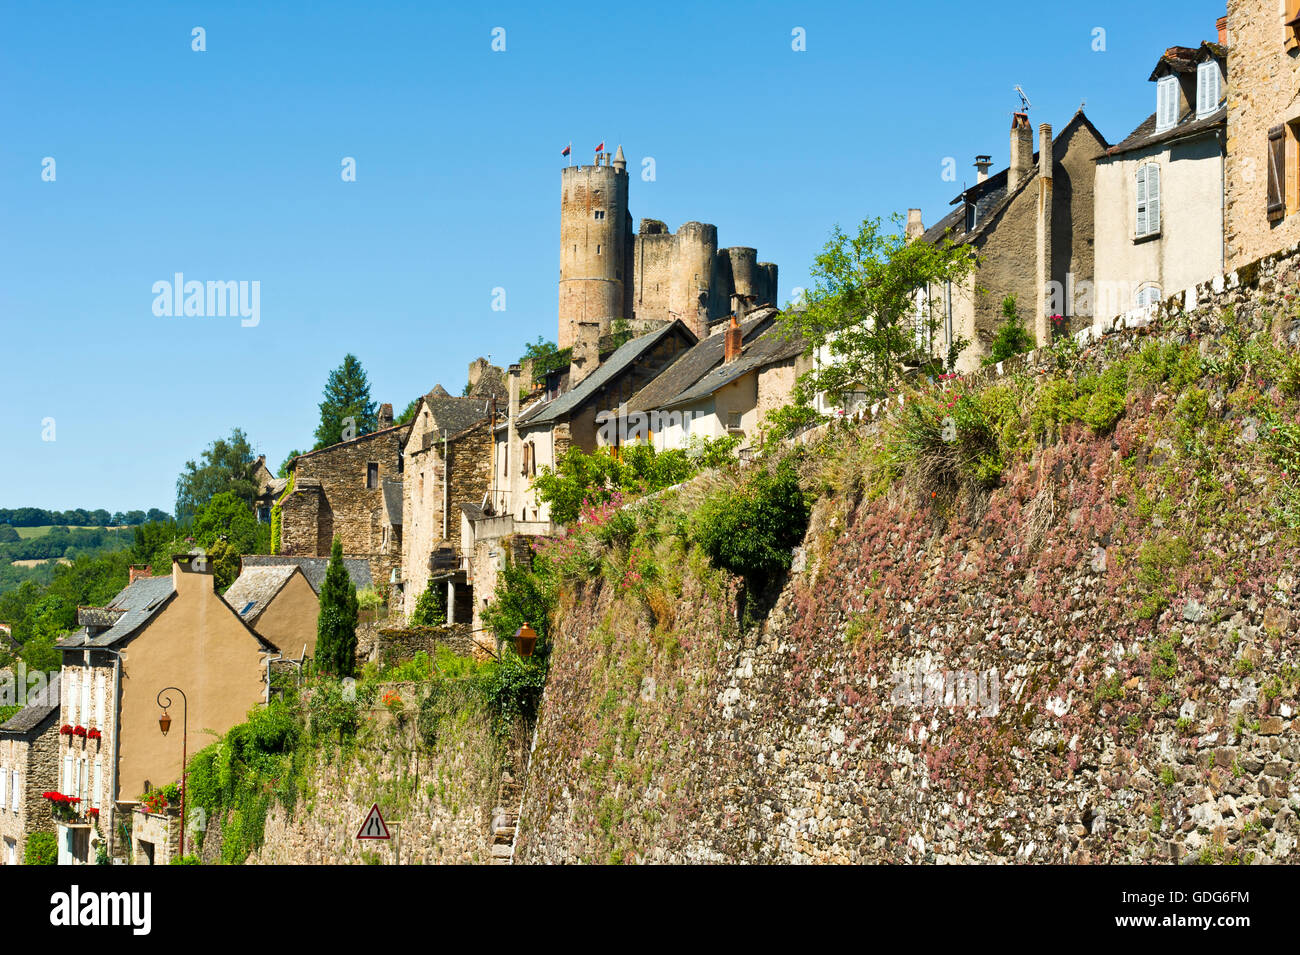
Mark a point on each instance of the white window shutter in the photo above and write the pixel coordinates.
(66, 786)
(97, 794)
(1141, 227)
(72, 696)
(1153, 198)
(85, 697)
(101, 694)
(4, 777)
(17, 789)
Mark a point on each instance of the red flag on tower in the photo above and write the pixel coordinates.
(601, 147)
(566, 150)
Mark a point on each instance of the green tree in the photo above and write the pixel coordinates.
(1012, 337)
(336, 627)
(431, 607)
(225, 465)
(523, 593)
(347, 395)
(546, 358)
(597, 477)
(863, 306)
(228, 516)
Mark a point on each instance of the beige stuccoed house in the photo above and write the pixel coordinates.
(279, 597)
(1159, 192)
(159, 632)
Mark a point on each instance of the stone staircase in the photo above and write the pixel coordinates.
(506, 820)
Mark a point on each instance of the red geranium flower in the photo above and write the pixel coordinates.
(65, 730)
(94, 734)
(79, 731)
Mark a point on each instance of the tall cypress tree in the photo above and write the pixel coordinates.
(336, 627)
(347, 395)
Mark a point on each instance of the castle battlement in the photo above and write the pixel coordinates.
(608, 272)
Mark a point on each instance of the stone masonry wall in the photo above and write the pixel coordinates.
(668, 734)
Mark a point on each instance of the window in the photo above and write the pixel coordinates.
(1292, 24)
(1148, 200)
(600, 213)
(1209, 87)
(1166, 103)
(1276, 173)
(1147, 295)
(372, 475)
(733, 420)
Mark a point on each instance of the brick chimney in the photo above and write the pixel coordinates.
(138, 572)
(982, 164)
(915, 227)
(586, 351)
(1222, 25)
(385, 417)
(734, 343)
(1022, 150)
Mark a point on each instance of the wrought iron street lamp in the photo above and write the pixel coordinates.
(165, 724)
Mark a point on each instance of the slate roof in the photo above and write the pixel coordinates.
(1186, 59)
(453, 414)
(40, 707)
(313, 568)
(1187, 126)
(772, 347)
(361, 437)
(139, 602)
(256, 587)
(698, 361)
(393, 501)
(554, 410)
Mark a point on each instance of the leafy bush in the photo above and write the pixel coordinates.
(1012, 337)
(42, 849)
(431, 606)
(330, 714)
(752, 529)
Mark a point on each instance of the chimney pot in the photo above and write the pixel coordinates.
(983, 164)
(1045, 162)
(385, 417)
(1222, 25)
(586, 351)
(138, 572)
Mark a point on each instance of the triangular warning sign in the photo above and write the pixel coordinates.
(374, 827)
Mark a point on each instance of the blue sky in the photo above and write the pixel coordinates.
(225, 165)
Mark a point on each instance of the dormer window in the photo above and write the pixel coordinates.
(1166, 103)
(1209, 86)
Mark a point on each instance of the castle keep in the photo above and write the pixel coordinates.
(648, 278)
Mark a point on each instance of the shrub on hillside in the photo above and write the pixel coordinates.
(752, 529)
(42, 849)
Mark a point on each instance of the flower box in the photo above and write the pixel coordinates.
(65, 730)
(94, 734)
(79, 731)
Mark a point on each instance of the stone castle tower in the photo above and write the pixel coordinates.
(652, 277)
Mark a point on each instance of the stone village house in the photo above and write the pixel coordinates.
(29, 755)
(157, 632)
(1262, 194)
(1031, 225)
(347, 490)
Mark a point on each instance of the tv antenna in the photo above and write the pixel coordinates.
(1024, 100)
